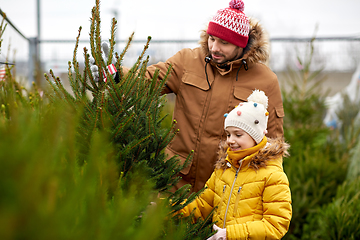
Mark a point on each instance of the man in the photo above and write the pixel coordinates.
(212, 79)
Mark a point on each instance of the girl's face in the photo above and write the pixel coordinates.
(238, 139)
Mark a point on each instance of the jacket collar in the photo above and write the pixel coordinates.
(235, 157)
(274, 149)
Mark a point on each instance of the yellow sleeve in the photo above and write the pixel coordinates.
(204, 204)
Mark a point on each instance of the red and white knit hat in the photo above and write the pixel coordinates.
(231, 24)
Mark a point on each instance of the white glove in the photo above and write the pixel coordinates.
(219, 235)
(105, 48)
(94, 69)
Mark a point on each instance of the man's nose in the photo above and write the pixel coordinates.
(215, 47)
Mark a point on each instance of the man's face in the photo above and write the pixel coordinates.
(222, 51)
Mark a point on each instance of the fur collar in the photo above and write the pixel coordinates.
(257, 49)
(274, 149)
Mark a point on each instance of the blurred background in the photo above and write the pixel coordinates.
(46, 30)
(315, 46)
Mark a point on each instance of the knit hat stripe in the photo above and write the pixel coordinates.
(233, 22)
(222, 32)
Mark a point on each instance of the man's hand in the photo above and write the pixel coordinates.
(105, 49)
(219, 235)
(94, 69)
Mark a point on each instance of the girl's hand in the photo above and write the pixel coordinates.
(219, 235)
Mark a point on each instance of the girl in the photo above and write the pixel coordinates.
(248, 186)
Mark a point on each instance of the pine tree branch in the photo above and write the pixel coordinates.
(92, 33)
(61, 88)
(94, 87)
(74, 84)
(122, 125)
(120, 59)
(71, 80)
(53, 86)
(112, 41)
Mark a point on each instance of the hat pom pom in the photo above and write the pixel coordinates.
(258, 96)
(237, 4)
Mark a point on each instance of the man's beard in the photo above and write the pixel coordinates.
(224, 60)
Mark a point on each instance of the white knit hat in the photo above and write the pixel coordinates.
(251, 116)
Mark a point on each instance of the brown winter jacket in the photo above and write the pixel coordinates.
(199, 110)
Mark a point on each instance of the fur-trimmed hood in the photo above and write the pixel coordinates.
(273, 150)
(257, 49)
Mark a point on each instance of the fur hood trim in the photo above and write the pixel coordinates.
(257, 49)
(274, 149)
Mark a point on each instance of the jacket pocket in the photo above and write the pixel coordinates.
(192, 96)
(221, 203)
(237, 201)
(280, 112)
(195, 81)
(242, 93)
(239, 95)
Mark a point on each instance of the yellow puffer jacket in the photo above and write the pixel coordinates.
(253, 197)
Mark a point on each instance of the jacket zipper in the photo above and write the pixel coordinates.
(232, 188)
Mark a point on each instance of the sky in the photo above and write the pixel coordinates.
(181, 19)
(164, 19)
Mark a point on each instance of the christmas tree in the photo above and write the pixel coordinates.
(89, 163)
